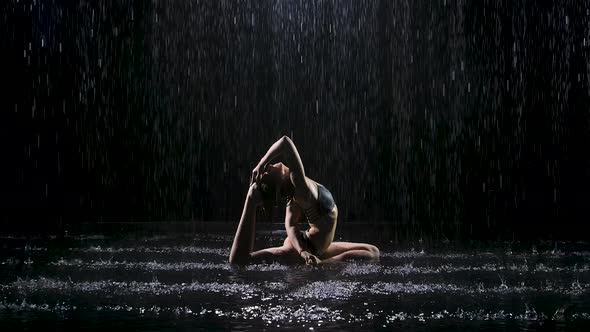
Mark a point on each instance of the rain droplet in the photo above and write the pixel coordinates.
(514, 61)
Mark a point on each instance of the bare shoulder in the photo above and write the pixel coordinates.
(308, 192)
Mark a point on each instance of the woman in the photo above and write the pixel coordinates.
(307, 201)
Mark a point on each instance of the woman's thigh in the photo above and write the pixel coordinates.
(337, 248)
(284, 254)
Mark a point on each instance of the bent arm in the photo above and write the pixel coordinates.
(285, 147)
(292, 215)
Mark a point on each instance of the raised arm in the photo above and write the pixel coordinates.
(284, 147)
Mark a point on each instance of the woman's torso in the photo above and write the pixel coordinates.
(320, 211)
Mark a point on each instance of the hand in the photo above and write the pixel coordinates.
(257, 174)
(254, 194)
(309, 258)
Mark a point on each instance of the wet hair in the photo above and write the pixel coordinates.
(275, 192)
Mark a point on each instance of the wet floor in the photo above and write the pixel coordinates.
(182, 283)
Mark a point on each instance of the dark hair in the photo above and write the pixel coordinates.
(275, 193)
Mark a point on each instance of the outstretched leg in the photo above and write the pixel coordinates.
(346, 251)
(244, 239)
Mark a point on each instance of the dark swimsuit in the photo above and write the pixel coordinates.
(314, 213)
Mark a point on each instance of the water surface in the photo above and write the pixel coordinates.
(185, 282)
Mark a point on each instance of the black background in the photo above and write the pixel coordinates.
(463, 119)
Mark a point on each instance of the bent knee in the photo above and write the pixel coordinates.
(287, 242)
(373, 250)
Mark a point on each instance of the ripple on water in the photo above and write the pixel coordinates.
(244, 291)
(305, 313)
(302, 295)
(285, 314)
(321, 290)
(155, 250)
(357, 269)
(147, 266)
(161, 266)
(389, 288)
